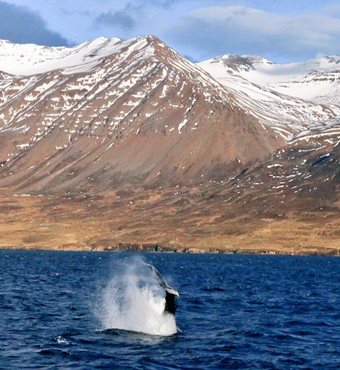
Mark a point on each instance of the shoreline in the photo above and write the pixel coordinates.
(178, 250)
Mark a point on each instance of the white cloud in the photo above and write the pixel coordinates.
(243, 30)
(282, 30)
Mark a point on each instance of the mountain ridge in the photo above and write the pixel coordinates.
(144, 111)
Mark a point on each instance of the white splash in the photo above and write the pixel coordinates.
(133, 300)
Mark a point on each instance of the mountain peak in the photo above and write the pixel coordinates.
(241, 62)
(30, 59)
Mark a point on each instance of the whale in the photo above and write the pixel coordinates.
(171, 294)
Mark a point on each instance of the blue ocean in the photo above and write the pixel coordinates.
(75, 310)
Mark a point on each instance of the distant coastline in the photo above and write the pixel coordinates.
(158, 248)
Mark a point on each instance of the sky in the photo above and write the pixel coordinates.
(279, 30)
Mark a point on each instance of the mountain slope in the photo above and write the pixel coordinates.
(262, 89)
(136, 112)
(289, 204)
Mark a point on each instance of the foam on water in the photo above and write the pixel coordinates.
(134, 301)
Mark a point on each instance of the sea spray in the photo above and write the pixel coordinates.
(133, 300)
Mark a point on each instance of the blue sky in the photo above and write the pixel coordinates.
(281, 30)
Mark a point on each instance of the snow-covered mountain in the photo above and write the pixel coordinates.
(317, 80)
(110, 110)
(131, 109)
(126, 141)
(30, 59)
(291, 98)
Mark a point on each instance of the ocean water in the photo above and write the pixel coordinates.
(97, 310)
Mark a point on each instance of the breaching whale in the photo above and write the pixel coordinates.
(170, 294)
